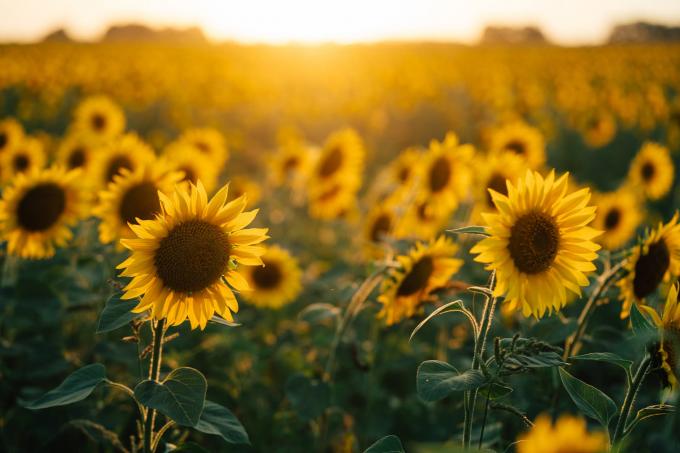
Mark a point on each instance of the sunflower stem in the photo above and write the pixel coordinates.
(480, 341)
(629, 399)
(154, 372)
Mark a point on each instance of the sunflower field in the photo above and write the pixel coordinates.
(359, 248)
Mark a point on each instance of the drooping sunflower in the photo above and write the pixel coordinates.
(76, 151)
(195, 165)
(275, 284)
(652, 170)
(619, 214)
(651, 262)
(99, 117)
(131, 196)
(669, 332)
(25, 157)
(184, 262)
(209, 142)
(540, 245)
(491, 173)
(521, 139)
(38, 209)
(568, 434)
(11, 134)
(241, 185)
(126, 152)
(427, 267)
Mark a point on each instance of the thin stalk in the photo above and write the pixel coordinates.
(154, 372)
(486, 411)
(629, 399)
(161, 431)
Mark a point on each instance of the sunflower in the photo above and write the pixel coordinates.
(521, 139)
(209, 142)
(195, 165)
(540, 244)
(403, 169)
(131, 196)
(126, 152)
(379, 225)
(291, 163)
(669, 330)
(37, 210)
(618, 216)
(492, 172)
(652, 170)
(25, 157)
(240, 185)
(427, 267)
(276, 283)
(599, 129)
(184, 262)
(568, 434)
(421, 220)
(335, 202)
(651, 262)
(76, 151)
(11, 134)
(100, 117)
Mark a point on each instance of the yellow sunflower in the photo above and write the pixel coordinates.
(209, 142)
(379, 225)
(540, 244)
(76, 151)
(11, 134)
(25, 157)
(131, 196)
(275, 284)
(427, 267)
(290, 164)
(568, 434)
(521, 139)
(241, 185)
(491, 173)
(669, 329)
(126, 152)
(599, 129)
(100, 117)
(195, 165)
(652, 170)
(651, 262)
(38, 209)
(421, 220)
(618, 215)
(184, 262)
(335, 202)
(403, 169)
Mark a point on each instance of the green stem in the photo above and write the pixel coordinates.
(154, 372)
(161, 431)
(628, 401)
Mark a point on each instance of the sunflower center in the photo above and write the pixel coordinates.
(440, 173)
(41, 206)
(417, 279)
(612, 219)
(20, 162)
(648, 171)
(98, 121)
(534, 241)
(423, 212)
(268, 276)
(77, 158)
(331, 162)
(203, 146)
(192, 256)
(3, 139)
(650, 269)
(403, 174)
(290, 164)
(116, 165)
(497, 184)
(330, 194)
(189, 174)
(140, 201)
(381, 226)
(516, 146)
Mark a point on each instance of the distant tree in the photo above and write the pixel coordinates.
(643, 32)
(512, 35)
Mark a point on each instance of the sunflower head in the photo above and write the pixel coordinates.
(11, 134)
(619, 214)
(194, 164)
(291, 163)
(421, 220)
(276, 283)
(209, 142)
(27, 156)
(568, 434)
(667, 351)
(379, 225)
(99, 117)
(184, 262)
(240, 186)
(492, 173)
(598, 129)
(38, 209)
(76, 151)
(127, 152)
(522, 140)
(652, 171)
(540, 245)
(427, 267)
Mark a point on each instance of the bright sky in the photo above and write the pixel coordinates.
(281, 21)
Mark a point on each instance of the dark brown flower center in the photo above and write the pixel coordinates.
(647, 171)
(202, 146)
(267, 277)
(20, 163)
(424, 212)
(404, 173)
(650, 269)
(381, 227)
(77, 158)
(192, 256)
(140, 201)
(440, 173)
(189, 174)
(417, 278)
(290, 164)
(612, 219)
(98, 121)
(331, 162)
(497, 184)
(41, 206)
(534, 241)
(516, 146)
(117, 164)
(3, 139)
(330, 193)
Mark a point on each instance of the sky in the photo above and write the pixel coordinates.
(341, 21)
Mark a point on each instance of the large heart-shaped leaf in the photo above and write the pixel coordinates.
(309, 397)
(388, 444)
(591, 400)
(117, 313)
(76, 387)
(436, 380)
(220, 421)
(180, 396)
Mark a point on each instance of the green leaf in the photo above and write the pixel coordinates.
(496, 390)
(76, 387)
(479, 230)
(608, 357)
(436, 380)
(446, 308)
(316, 313)
(180, 396)
(220, 421)
(117, 313)
(309, 397)
(98, 434)
(388, 444)
(642, 326)
(220, 320)
(591, 400)
(648, 412)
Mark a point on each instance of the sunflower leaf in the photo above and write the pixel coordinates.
(220, 421)
(592, 401)
(76, 387)
(478, 230)
(387, 444)
(117, 313)
(220, 320)
(442, 310)
(642, 326)
(436, 380)
(648, 412)
(608, 357)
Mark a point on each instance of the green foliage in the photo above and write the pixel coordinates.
(590, 400)
(219, 420)
(117, 313)
(78, 386)
(437, 380)
(388, 444)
